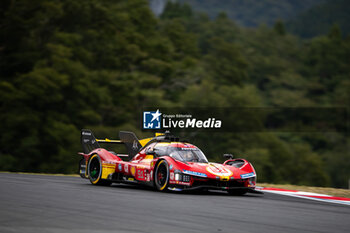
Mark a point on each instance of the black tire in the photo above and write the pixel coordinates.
(161, 176)
(237, 192)
(95, 171)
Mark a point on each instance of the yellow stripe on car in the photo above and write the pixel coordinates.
(106, 170)
(143, 142)
(108, 140)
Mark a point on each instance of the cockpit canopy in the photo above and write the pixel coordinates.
(181, 151)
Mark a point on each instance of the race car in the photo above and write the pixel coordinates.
(163, 162)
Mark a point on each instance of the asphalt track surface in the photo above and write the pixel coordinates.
(37, 203)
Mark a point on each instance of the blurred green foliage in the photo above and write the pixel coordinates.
(67, 65)
(318, 19)
(252, 13)
(306, 18)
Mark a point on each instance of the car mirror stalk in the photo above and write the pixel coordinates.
(228, 156)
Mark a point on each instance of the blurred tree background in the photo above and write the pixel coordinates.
(67, 65)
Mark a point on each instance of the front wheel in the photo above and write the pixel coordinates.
(95, 171)
(161, 176)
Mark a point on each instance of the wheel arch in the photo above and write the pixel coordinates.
(92, 156)
(104, 155)
(105, 170)
(155, 173)
(154, 168)
(168, 159)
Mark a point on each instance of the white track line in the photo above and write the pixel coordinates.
(307, 195)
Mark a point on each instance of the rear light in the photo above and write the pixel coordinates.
(178, 177)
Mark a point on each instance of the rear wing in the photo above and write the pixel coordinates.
(129, 139)
(131, 142)
(89, 142)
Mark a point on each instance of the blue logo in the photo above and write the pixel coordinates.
(151, 120)
(194, 173)
(119, 167)
(248, 175)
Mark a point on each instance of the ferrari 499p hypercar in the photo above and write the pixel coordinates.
(163, 162)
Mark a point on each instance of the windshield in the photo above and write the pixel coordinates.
(187, 154)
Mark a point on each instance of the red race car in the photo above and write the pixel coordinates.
(163, 162)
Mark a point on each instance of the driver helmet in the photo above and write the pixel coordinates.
(188, 156)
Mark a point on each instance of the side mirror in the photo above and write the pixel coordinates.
(150, 151)
(228, 156)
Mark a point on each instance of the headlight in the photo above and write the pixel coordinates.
(182, 177)
(178, 176)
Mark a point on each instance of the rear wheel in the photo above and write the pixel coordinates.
(161, 176)
(95, 171)
(237, 192)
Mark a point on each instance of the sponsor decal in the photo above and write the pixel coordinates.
(140, 174)
(126, 169)
(86, 133)
(120, 167)
(108, 162)
(151, 120)
(218, 170)
(135, 145)
(194, 173)
(172, 176)
(188, 148)
(183, 183)
(248, 175)
(133, 170)
(171, 166)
